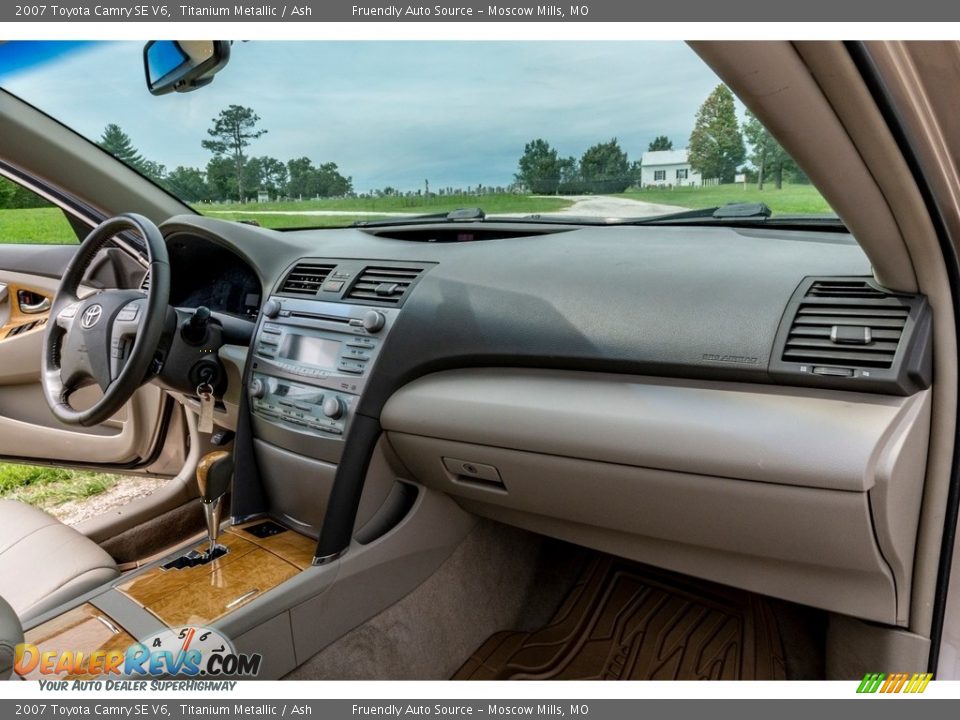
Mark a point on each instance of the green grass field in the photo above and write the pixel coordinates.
(491, 204)
(791, 199)
(48, 225)
(35, 225)
(48, 486)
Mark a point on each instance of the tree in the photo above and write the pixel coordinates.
(7, 190)
(301, 178)
(116, 142)
(187, 183)
(766, 154)
(233, 130)
(539, 168)
(716, 145)
(273, 175)
(330, 183)
(222, 179)
(605, 168)
(660, 142)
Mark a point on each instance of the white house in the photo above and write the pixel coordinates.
(662, 168)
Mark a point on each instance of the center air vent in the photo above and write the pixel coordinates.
(845, 332)
(305, 279)
(385, 285)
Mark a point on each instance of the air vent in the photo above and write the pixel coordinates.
(843, 289)
(306, 279)
(145, 283)
(858, 335)
(383, 284)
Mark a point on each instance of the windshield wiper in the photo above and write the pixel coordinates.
(460, 215)
(733, 211)
(736, 214)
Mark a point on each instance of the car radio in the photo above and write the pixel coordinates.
(311, 360)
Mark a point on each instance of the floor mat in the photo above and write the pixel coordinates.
(625, 621)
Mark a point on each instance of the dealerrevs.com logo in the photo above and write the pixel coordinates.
(178, 652)
(913, 683)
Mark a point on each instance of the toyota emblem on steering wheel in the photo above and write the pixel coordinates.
(91, 316)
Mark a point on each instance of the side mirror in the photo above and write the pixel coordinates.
(184, 65)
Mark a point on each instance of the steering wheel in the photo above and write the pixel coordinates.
(108, 338)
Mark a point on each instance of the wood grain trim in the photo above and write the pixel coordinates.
(291, 546)
(202, 594)
(18, 318)
(78, 630)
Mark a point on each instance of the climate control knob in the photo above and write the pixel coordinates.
(333, 407)
(271, 308)
(257, 388)
(374, 321)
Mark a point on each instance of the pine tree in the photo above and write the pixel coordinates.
(232, 131)
(116, 142)
(660, 142)
(716, 144)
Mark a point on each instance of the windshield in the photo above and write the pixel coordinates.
(314, 134)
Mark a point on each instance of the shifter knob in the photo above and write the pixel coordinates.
(214, 474)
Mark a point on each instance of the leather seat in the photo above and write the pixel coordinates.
(44, 563)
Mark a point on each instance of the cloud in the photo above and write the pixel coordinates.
(390, 113)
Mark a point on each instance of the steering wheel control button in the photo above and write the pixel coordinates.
(129, 313)
(374, 321)
(70, 311)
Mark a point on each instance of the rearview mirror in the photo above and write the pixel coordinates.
(184, 65)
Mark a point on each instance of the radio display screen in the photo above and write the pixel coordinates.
(310, 351)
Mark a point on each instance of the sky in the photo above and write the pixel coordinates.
(388, 113)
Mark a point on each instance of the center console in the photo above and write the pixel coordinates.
(319, 339)
(311, 362)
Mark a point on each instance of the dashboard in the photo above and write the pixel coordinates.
(206, 274)
(740, 404)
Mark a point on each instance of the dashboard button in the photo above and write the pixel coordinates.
(333, 407)
(257, 388)
(374, 321)
(271, 308)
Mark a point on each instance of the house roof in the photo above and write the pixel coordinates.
(664, 157)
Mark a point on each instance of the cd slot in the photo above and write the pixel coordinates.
(319, 316)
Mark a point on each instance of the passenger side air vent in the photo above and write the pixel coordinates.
(843, 289)
(305, 279)
(863, 335)
(845, 332)
(385, 285)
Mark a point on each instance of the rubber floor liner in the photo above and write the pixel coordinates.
(624, 621)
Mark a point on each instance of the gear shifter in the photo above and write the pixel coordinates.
(214, 474)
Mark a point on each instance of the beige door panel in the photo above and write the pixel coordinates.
(27, 427)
